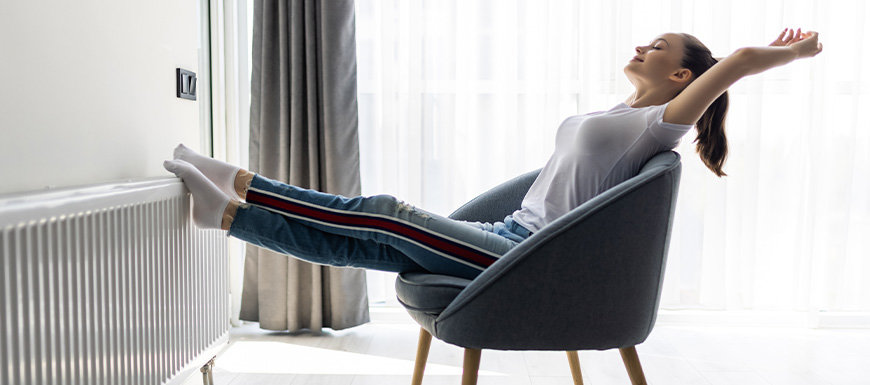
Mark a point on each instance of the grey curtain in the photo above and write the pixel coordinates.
(304, 132)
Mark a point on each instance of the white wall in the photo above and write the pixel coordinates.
(87, 90)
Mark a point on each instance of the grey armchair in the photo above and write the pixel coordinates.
(590, 280)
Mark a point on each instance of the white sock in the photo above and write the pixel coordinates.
(220, 173)
(209, 202)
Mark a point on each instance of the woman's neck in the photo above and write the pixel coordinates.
(646, 100)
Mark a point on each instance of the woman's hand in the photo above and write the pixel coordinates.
(806, 44)
(783, 40)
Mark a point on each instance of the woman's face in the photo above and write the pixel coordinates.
(660, 59)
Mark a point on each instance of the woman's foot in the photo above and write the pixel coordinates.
(209, 202)
(243, 182)
(222, 174)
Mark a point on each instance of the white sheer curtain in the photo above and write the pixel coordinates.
(458, 96)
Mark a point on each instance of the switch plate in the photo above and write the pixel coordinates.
(185, 84)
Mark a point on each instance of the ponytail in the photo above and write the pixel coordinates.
(712, 145)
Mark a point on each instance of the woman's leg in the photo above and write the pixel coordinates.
(275, 232)
(438, 244)
(264, 228)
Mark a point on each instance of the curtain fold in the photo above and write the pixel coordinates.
(457, 96)
(304, 131)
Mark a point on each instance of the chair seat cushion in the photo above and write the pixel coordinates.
(428, 293)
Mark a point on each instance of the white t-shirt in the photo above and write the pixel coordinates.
(595, 152)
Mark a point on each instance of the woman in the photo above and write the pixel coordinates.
(679, 85)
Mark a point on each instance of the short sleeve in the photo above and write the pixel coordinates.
(667, 134)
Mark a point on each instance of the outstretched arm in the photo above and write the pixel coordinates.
(693, 101)
(783, 51)
(783, 40)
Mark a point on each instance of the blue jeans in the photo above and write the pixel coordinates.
(377, 232)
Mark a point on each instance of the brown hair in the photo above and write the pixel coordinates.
(712, 145)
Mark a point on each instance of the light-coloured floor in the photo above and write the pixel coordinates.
(382, 352)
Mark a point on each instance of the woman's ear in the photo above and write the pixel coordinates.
(682, 75)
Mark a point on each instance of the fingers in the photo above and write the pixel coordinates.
(786, 39)
(794, 37)
(789, 36)
(780, 40)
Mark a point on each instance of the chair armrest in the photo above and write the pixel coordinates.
(497, 202)
(589, 280)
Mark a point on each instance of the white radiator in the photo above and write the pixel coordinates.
(109, 284)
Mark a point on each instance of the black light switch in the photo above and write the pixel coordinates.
(185, 84)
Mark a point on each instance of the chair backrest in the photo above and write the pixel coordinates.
(589, 280)
(498, 202)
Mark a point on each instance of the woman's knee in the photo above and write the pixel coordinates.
(386, 202)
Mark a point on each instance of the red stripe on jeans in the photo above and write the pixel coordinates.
(380, 223)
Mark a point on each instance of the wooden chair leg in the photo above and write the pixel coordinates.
(632, 365)
(422, 355)
(470, 365)
(574, 363)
